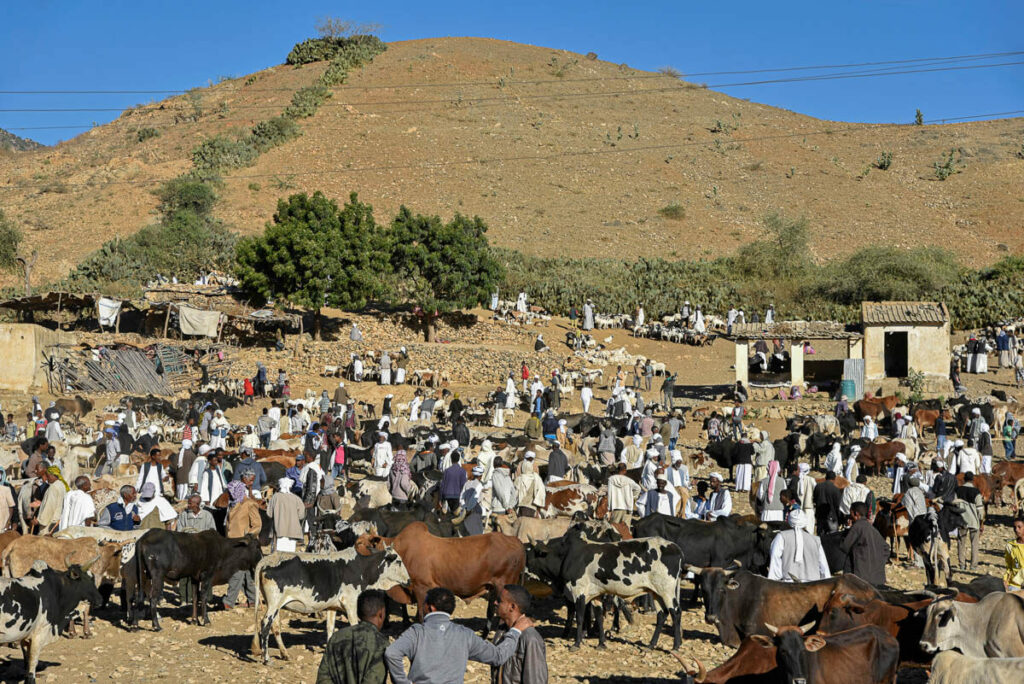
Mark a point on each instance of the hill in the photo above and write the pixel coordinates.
(559, 153)
(10, 141)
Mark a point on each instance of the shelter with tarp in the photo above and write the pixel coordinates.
(203, 311)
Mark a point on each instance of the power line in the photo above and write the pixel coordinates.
(517, 158)
(510, 82)
(516, 98)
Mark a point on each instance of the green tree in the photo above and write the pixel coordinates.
(10, 240)
(314, 254)
(440, 267)
(918, 118)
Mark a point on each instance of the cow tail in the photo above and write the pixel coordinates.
(257, 578)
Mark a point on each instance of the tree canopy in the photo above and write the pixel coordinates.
(441, 266)
(314, 254)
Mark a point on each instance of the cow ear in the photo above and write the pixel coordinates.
(732, 584)
(814, 643)
(764, 641)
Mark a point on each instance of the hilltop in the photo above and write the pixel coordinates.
(580, 157)
(9, 141)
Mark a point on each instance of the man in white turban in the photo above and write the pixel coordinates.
(797, 555)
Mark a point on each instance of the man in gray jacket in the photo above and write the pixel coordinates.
(529, 663)
(439, 649)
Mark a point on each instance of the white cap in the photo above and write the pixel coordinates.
(660, 477)
(958, 443)
(341, 384)
(285, 483)
(478, 470)
(652, 453)
(676, 455)
(529, 455)
(454, 444)
(976, 411)
(900, 456)
(855, 448)
(121, 416)
(204, 449)
(152, 429)
(563, 422)
(486, 444)
(715, 476)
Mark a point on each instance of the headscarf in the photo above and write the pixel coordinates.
(55, 471)
(637, 439)
(285, 484)
(773, 474)
(798, 520)
(236, 488)
(804, 468)
(400, 466)
(185, 445)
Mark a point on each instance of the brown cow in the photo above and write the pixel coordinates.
(904, 621)
(103, 560)
(875, 406)
(864, 655)
(1010, 473)
(878, 455)
(469, 566)
(926, 418)
(989, 486)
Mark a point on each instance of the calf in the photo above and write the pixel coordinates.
(205, 557)
(875, 456)
(950, 667)
(568, 500)
(991, 628)
(585, 570)
(741, 603)
(36, 608)
(310, 584)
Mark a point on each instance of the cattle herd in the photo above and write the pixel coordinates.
(837, 630)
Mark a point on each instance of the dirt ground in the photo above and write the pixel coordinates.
(220, 652)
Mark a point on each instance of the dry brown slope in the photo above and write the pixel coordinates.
(560, 179)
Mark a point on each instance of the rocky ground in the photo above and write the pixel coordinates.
(477, 356)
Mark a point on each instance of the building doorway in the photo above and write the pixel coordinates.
(895, 354)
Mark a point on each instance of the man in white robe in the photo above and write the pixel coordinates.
(78, 507)
(797, 555)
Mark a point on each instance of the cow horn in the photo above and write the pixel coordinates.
(688, 667)
(771, 628)
(804, 629)
(694, 569)
(88, 565)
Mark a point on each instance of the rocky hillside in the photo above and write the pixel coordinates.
(561, 154)
(11, 142)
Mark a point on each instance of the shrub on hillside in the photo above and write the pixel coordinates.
(144, 134)
(10, 240)
(273, 132)
(186, 193)
(221, 152)
(320, 49)
(306, 101)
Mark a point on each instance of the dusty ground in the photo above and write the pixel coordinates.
(524, 136)
(218, 653)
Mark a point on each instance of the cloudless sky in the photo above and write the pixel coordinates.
(151, 44)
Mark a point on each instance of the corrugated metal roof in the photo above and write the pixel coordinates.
(804, 330)
(904, 313)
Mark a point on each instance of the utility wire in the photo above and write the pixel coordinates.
(493, 160)
(511, 82)
(515, 98)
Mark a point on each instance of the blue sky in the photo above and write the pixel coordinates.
(145, 44)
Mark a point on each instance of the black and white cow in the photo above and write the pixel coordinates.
(311, 583)
(36, 608)
(583, 571)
